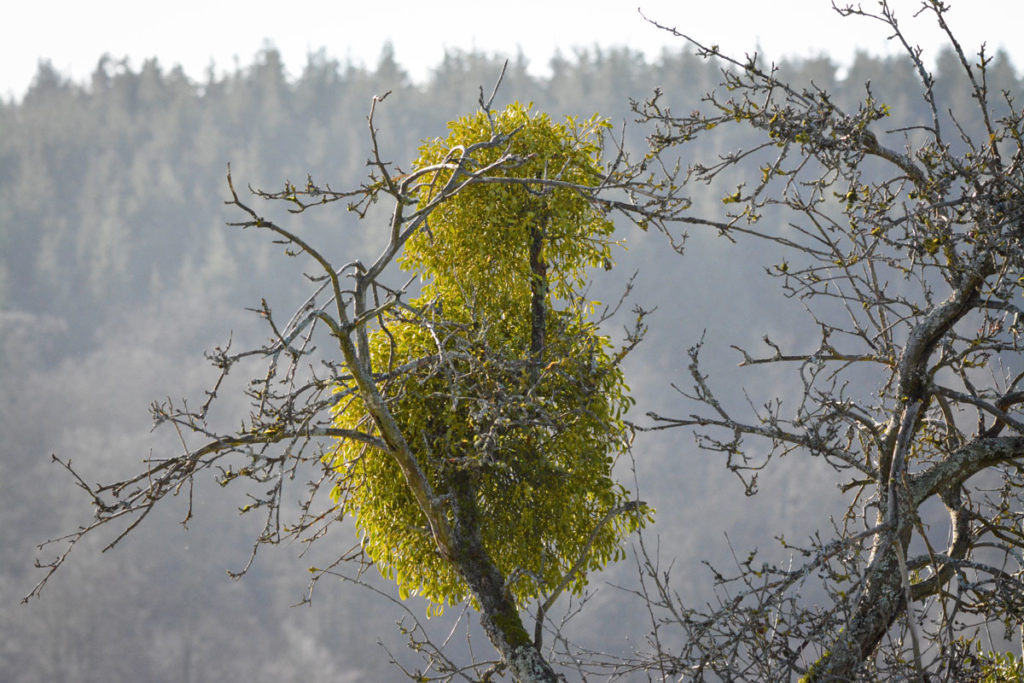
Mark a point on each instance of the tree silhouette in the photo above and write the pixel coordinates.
(905, 247)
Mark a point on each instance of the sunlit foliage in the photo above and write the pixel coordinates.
(518, 439)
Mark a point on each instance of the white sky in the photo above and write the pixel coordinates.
(73, 34)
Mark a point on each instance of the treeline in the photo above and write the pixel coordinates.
(117, 269)
(110, 190)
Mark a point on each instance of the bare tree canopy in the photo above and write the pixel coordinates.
(469, 431)
(905, 245)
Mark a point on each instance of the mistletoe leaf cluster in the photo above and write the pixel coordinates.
(518, 441)
(484, 236)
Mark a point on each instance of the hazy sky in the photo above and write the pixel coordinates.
(73, 34)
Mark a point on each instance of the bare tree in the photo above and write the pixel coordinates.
(423, 414)
(906, 248)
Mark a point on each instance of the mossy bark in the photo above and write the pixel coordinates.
(499, 614)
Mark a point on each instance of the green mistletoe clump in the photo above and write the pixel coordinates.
(509, 396)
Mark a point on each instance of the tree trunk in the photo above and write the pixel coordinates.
(538, 292)
(501, 621)
(880, 604)
(499, 614)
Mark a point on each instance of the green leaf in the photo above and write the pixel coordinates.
(531, 450)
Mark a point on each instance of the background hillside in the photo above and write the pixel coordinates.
(117, 270)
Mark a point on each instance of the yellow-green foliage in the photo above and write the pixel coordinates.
(973, 664)
(534, 439)
(1001, 667)
(482, 238)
